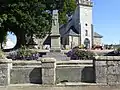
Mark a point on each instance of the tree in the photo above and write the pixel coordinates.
(26, 17)
(66, 11)
(32, 17)
(3, 33)
(66, 8)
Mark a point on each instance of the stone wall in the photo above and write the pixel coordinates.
(75, 71)
(107, 70)
(104, 69)
(26, 72)
(4, 72)
(25, 75)
(97, 41)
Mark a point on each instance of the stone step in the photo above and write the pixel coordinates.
(58, 58)
(54, 53)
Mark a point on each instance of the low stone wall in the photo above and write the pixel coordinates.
(104, 69)
(107, 69)
(23, 72)
(75, 71)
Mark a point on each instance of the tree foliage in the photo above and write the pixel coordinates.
(67, 10)
(31, 17)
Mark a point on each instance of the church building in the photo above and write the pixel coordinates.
(79, 29)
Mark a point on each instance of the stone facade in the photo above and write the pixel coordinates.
(108, 70)
(97, 40)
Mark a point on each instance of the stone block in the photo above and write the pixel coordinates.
(113, 70)
(112, 63)
(119, 63)
(48, 72)
(112, 79)
(4, 74)
(109, 58)
(48, 65)
(100, 63)
(48, 60)
(118, 78)
(48, 80)
(101, 74)
(116, 58)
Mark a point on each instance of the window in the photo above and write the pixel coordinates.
(86, 32)
(86, 24)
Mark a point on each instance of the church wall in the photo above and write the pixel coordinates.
(97, 41)
(86, 21)
(73, 41)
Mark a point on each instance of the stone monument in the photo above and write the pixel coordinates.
(55, 36)
(55, 50)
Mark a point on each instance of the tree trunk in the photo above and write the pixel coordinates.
(20, 40)
(0, 45)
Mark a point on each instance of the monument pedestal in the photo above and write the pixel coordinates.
(55, 43)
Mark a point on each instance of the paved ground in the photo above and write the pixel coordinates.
(38, 87)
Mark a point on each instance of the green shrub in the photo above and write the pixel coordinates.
(82, 54)
(77, 54)
(24, 51)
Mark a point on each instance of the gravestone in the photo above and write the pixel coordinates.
(55, 36)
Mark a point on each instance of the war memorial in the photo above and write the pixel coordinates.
(55, 70)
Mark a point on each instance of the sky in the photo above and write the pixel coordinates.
(106, 20)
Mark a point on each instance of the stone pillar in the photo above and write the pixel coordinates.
(5, 67)
(101, 71)
(48, 71)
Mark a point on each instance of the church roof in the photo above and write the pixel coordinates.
(72, 33)
(95, 34)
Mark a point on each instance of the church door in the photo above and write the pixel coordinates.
(87, 43)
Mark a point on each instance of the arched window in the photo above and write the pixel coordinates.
(86, 32)
(86, 24)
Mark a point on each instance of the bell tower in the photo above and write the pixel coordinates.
(84, 8)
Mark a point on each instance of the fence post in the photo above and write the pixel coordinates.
(48, 71)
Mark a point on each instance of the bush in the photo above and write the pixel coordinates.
(77, 54)
(24, 54)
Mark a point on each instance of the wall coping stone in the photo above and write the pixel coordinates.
(48, 60)
(108, 58)
(26, 62)
(75, 62)
(5, 60)
(18, 62)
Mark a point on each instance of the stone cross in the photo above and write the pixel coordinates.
(55, 35)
